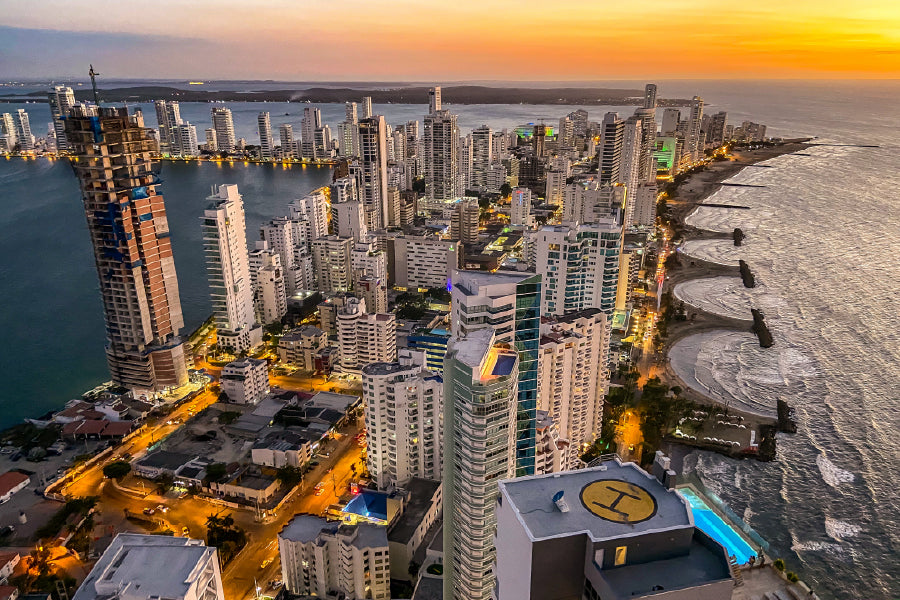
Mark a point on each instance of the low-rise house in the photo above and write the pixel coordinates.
(97, 429)
(8, 562)
(10, 483)
(283, 448)
(77, 410)
(159, 463)
(248, 486)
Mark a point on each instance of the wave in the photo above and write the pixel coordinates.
(831, 473)
(839, 530)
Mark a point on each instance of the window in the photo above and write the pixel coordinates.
(621, 551)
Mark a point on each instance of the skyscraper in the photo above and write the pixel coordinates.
(510, 304)
(373, 183)
(286, 135)
(224, 126)
(441, 155)
(168, 117)
(520, 208)
(367, 107)
(309, 124)
(580, 266)
(403, 404)
(62, 99)
(266, 144)
(8, 131)
(610, 153)
(482, 156)
(650, 95)
(464, 221)
(228, 270)
(132, 250)
(434, 99)
(184, 140)
(692, 134)
(211, 143)
(480, 390)
(23, 131)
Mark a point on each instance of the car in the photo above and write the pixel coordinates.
(162, 508)
(313, 463)
(149, 511)
(8, 530)
(319, 491)
(276, 583)
(185, 531)
(265, 563)
(16, 457)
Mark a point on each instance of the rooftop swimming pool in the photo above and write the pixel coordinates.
(715, 527)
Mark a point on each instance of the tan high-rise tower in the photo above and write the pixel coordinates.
(130, 233)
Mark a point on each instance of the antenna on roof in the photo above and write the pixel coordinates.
(93, 75)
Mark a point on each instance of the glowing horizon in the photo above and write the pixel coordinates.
(463, 40)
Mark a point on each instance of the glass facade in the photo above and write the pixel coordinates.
(528, 339)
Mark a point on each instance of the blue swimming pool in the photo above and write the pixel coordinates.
(712, 525)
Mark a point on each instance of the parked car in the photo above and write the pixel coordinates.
(149, 511)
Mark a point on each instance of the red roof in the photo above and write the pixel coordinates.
(8, 557)
(8, 591)
(118, 428)
(11, 479)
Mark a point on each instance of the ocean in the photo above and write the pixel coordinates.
(822, 241)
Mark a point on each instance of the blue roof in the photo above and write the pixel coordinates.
(369, 504)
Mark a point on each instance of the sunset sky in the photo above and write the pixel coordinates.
(454, 40)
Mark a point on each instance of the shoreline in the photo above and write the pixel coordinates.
(690, 194)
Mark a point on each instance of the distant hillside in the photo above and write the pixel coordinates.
(468, 94)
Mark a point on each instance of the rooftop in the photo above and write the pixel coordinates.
(11, 479)
(421, 495)
(624, 501)
(163, 459)
(146, 566)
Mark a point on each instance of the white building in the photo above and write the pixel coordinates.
(211, 143)
(580, 264)
(644, 214)
(267, 277)
(590, 201)
(424, 261)
(573, 377)
(61, 98)
(612, 531)
(223, 123)
(349, 219)
(228, 270)
(281, 449)
(403, 404)
(480, 405)
(184, 141)
(266, 143)
(368, 269)
(363, 337)
(464, 221)
(245, 381)
(23, 131)
(281, 235)
(312, 208)
(331, 262)
(520, 208)
(322, 558)
(692, 145)
(300, 347)
(441, 142)
(151, 567)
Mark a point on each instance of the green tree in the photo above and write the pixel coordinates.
(505, 189)
(215, 473)
(117, 470)
(289, 476)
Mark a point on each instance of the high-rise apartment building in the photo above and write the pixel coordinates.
(441, 158)
(23, 131)
(716, 131)
(168, 118)
(349, 219)
(579, 120)
(565, 137)
(510, 305)
(133, 253)
(184, 140)
(434, 99)
(62, 99)
(589, 201)
(365, 337)
(211, 143)
(309, 125)
(671, 118)
(573, 377)
(223, 123)
(286, 136)
(520, 208)
(331, 262)
(464, 221)
(403, 403)
(321, 558)
(367, 107)
(580, 265)
(650, 95)
(612, 132)
(147, 567)
(8, 134)
(373, 177)
(424, 261)
(612, 531)
(480, 405)
(630, 167)
(413, 147)
(693, 147)
(482, 156)
(228, 270)
(267, 276)
(266, 143)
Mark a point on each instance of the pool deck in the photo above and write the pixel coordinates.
(725, 518)
(759, 581)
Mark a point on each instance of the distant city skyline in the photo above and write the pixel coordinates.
(471, 40)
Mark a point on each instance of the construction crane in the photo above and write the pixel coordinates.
(93, 75)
